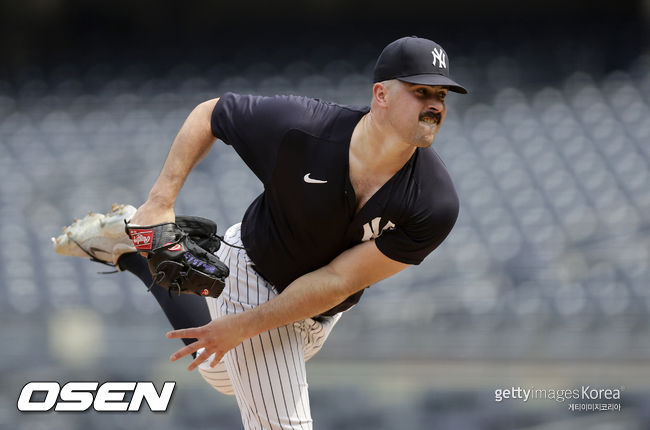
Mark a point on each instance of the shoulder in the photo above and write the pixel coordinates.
(425, 208)
(436, 193)
(313, 116)
(260, 105)
(310, 107)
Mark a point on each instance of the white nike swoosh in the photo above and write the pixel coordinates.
(313, 181)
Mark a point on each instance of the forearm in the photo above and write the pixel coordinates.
(309, 295)
(191, 145)
(306, 296)
(320, 290)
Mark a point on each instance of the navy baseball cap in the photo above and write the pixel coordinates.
(417, 61)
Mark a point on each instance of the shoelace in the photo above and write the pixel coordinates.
(160, 276)
(94, 258)
(229, 244)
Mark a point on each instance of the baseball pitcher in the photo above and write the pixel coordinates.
(352, 195)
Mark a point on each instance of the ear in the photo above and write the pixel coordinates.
(380, 94)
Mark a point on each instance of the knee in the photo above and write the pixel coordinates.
(217, 377)
(217, 382)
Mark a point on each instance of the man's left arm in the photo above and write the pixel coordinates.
(309, 295)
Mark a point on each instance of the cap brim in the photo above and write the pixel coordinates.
(434, 79)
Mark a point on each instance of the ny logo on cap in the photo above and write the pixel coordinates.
(439, 56)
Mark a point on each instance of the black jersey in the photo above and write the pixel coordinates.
(299, 148)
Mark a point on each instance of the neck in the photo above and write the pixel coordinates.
(377, 149)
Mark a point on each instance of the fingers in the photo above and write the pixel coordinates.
(215, 360)
(184, 333)
(206, 338)
(201, 358)
(193, 347)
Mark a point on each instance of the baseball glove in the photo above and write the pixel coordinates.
(180, 255)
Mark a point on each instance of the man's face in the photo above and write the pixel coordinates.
(416, 111)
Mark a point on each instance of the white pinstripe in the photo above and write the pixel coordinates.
(267, 372)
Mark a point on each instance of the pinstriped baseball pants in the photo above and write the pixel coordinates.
(267, 372)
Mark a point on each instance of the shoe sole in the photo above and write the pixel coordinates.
(93, 228)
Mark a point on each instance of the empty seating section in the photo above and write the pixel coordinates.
(553, 179)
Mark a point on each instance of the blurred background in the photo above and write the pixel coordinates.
(543, 283)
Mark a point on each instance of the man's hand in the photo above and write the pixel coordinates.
(309, 295)
(151, 213)
(217, 337)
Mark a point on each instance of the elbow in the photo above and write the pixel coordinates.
(204, 110)
(199, 123)
(207, 105)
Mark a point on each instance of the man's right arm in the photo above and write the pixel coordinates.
(191, 145)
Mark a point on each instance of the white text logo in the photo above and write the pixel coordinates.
(80, 396)
(439, 56)
(371, 229)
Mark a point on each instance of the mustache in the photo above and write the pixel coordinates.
(433, 115)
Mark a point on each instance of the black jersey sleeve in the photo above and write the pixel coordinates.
(255, 126)
(420, 232)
